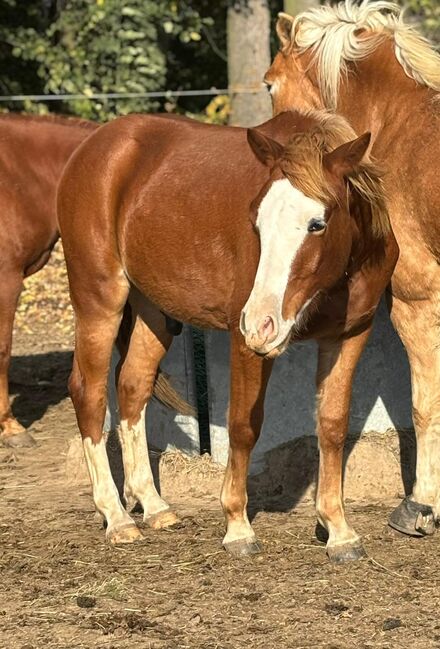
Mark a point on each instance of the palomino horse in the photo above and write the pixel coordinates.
(33, 153)
(168, 214)
(364, 62)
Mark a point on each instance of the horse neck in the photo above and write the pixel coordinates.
(378, 96)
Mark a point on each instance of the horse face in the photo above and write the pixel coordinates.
(305, 246)
(291, 84)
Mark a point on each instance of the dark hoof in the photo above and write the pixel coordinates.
(347, 552)
(243, 547)
(321, 533)
(19, 440)
(412, 518)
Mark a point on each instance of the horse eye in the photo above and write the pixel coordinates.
(268, 86)
(316, 226)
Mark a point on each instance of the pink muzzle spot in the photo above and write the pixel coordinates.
(267, 329)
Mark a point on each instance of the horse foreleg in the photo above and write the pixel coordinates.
(249, 376)
(98, 312)
(148, 344)
(336, 364)
(417, 324)
(12, 433)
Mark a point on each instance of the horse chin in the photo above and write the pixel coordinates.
(279, 349)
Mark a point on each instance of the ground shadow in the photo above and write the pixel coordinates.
(36, 382)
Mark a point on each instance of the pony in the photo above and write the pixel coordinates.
(365, 62)
(33, 153)
(276, 234)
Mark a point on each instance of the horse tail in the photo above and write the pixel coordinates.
(164, 392)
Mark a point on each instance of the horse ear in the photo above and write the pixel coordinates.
(284, 28)
(347, 157)
(268, 151)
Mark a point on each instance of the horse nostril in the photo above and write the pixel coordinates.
(243, 322)
(267, 328)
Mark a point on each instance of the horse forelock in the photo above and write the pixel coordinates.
(302, 163)
(349, 31)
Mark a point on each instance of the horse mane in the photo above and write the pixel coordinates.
(302, 162)
(335, 34)
(62, 120)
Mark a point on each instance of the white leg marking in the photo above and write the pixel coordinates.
(105, 494)
(139, 483)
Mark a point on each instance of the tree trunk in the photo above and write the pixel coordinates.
(294, 7)
(248, 29)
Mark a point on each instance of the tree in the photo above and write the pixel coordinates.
(105, 46)
(294, 7)
(427, 13)
(248, 29)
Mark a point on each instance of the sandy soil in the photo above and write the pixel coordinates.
(61, 586)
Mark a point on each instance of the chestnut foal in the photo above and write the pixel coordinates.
(33, 153)
(365, 62)
(169, 214)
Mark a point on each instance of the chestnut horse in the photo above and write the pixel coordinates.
(364, 62)
(33, 153)
(167, 214)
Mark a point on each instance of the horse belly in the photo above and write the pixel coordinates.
(186, 280)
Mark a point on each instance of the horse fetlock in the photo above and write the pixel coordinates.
(130, 500)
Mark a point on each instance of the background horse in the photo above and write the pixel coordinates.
(33, 153)
(157, 211)
(366, 63)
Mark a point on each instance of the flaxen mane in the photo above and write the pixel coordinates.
(335, 34)
(302, 163)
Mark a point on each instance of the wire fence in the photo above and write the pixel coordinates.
(165, 94)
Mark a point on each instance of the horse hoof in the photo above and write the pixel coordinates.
(321, 533)
(412, 518)
(127, 533)
(243, 547)
(346, 552)
(165, 518)
(18, 440)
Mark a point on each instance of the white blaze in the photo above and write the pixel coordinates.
(282, 221)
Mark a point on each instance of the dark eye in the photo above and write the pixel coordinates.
(316, 226)
(268, 85)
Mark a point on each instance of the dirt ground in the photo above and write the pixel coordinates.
(61, 586)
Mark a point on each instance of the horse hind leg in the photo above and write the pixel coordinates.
(137, 372)
(98, 311)
(418, 327)
(12, 433)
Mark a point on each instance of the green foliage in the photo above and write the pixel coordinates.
(107, 46)
(16, 75)
(87, 47)
(427, 14)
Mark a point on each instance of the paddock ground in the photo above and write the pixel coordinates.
(62, 587)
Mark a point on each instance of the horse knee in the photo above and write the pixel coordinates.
(332, 432)
(133, 394)
(243, 435)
